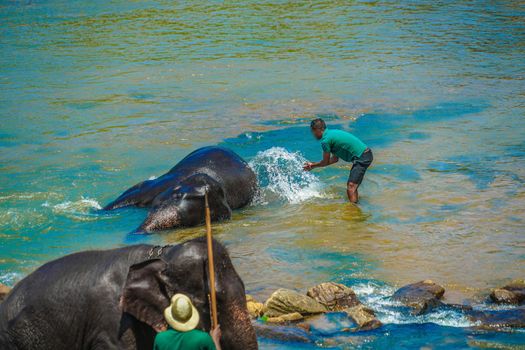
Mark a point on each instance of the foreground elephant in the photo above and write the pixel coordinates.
(114, 299)
(177, 197)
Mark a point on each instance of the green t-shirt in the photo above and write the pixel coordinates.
(343, 144)
(175, 340)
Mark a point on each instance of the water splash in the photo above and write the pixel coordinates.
(391, 312)
(10, 278)
(281, 175)
(78, 210)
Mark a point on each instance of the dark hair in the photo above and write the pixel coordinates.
(318, 124)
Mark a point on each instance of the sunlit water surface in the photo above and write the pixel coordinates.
(98, 95)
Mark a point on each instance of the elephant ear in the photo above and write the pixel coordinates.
(145, 293)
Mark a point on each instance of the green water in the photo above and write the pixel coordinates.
(98, 95)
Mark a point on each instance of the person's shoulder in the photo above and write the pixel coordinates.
(339, 132)
(165, 334)
(199, 337)
(164, 337)
(198, 334)
(327, 134)
(342, 133)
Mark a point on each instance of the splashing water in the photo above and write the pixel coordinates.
(78, 210)
(280, 173)
(391, 312)
(10, 278)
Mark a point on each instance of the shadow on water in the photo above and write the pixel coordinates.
(480, 169)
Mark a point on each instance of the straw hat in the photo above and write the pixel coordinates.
(181, 315)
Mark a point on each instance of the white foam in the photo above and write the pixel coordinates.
(281, 173)
(81, 209)
(10, 278)
(388, 311)
(81, 205)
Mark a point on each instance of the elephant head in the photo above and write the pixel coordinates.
(183, 205)
(184, 269)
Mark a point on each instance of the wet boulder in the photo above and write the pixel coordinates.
(4, 290)
(335, 296)
(286, 301)
(498, 319)
(338, 297)
(364, 317)
(294, 316)
(421, 297)
(512, 293)
(255, 309)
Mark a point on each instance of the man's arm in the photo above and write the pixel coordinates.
(334, 159)
(327, 160)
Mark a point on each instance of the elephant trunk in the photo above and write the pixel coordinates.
(237, 329)
(160, 219)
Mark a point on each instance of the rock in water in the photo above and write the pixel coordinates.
(499, 319)
(512, 293)
(4, 290)
(255, 309)
(335, 296)
(285, 301)
(338, 297)
(421, 296)
(294, 316)
(364, 317)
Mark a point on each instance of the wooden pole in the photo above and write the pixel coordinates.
(211, 267)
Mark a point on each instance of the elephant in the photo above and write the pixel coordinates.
(176, 198)
(114, 299)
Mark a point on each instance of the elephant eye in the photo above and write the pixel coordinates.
(221, 293)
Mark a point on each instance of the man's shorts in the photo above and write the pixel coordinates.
(360, 165)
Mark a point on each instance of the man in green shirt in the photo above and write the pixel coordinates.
(183, 318)
(341, 144)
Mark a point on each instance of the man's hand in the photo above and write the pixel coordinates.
(216, 335)
(308, 166)
(326, 161)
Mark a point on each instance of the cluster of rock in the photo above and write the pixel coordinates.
(285, 305)
(423, 296)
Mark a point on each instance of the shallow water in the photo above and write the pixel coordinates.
(96, 96)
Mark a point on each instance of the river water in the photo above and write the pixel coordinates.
(96, 96)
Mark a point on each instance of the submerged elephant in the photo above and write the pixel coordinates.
(114, 299)
(177, 197)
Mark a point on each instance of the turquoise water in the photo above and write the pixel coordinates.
(96, 96)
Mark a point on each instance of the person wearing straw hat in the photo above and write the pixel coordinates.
(183, 318)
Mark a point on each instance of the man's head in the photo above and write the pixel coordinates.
(318, 126)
